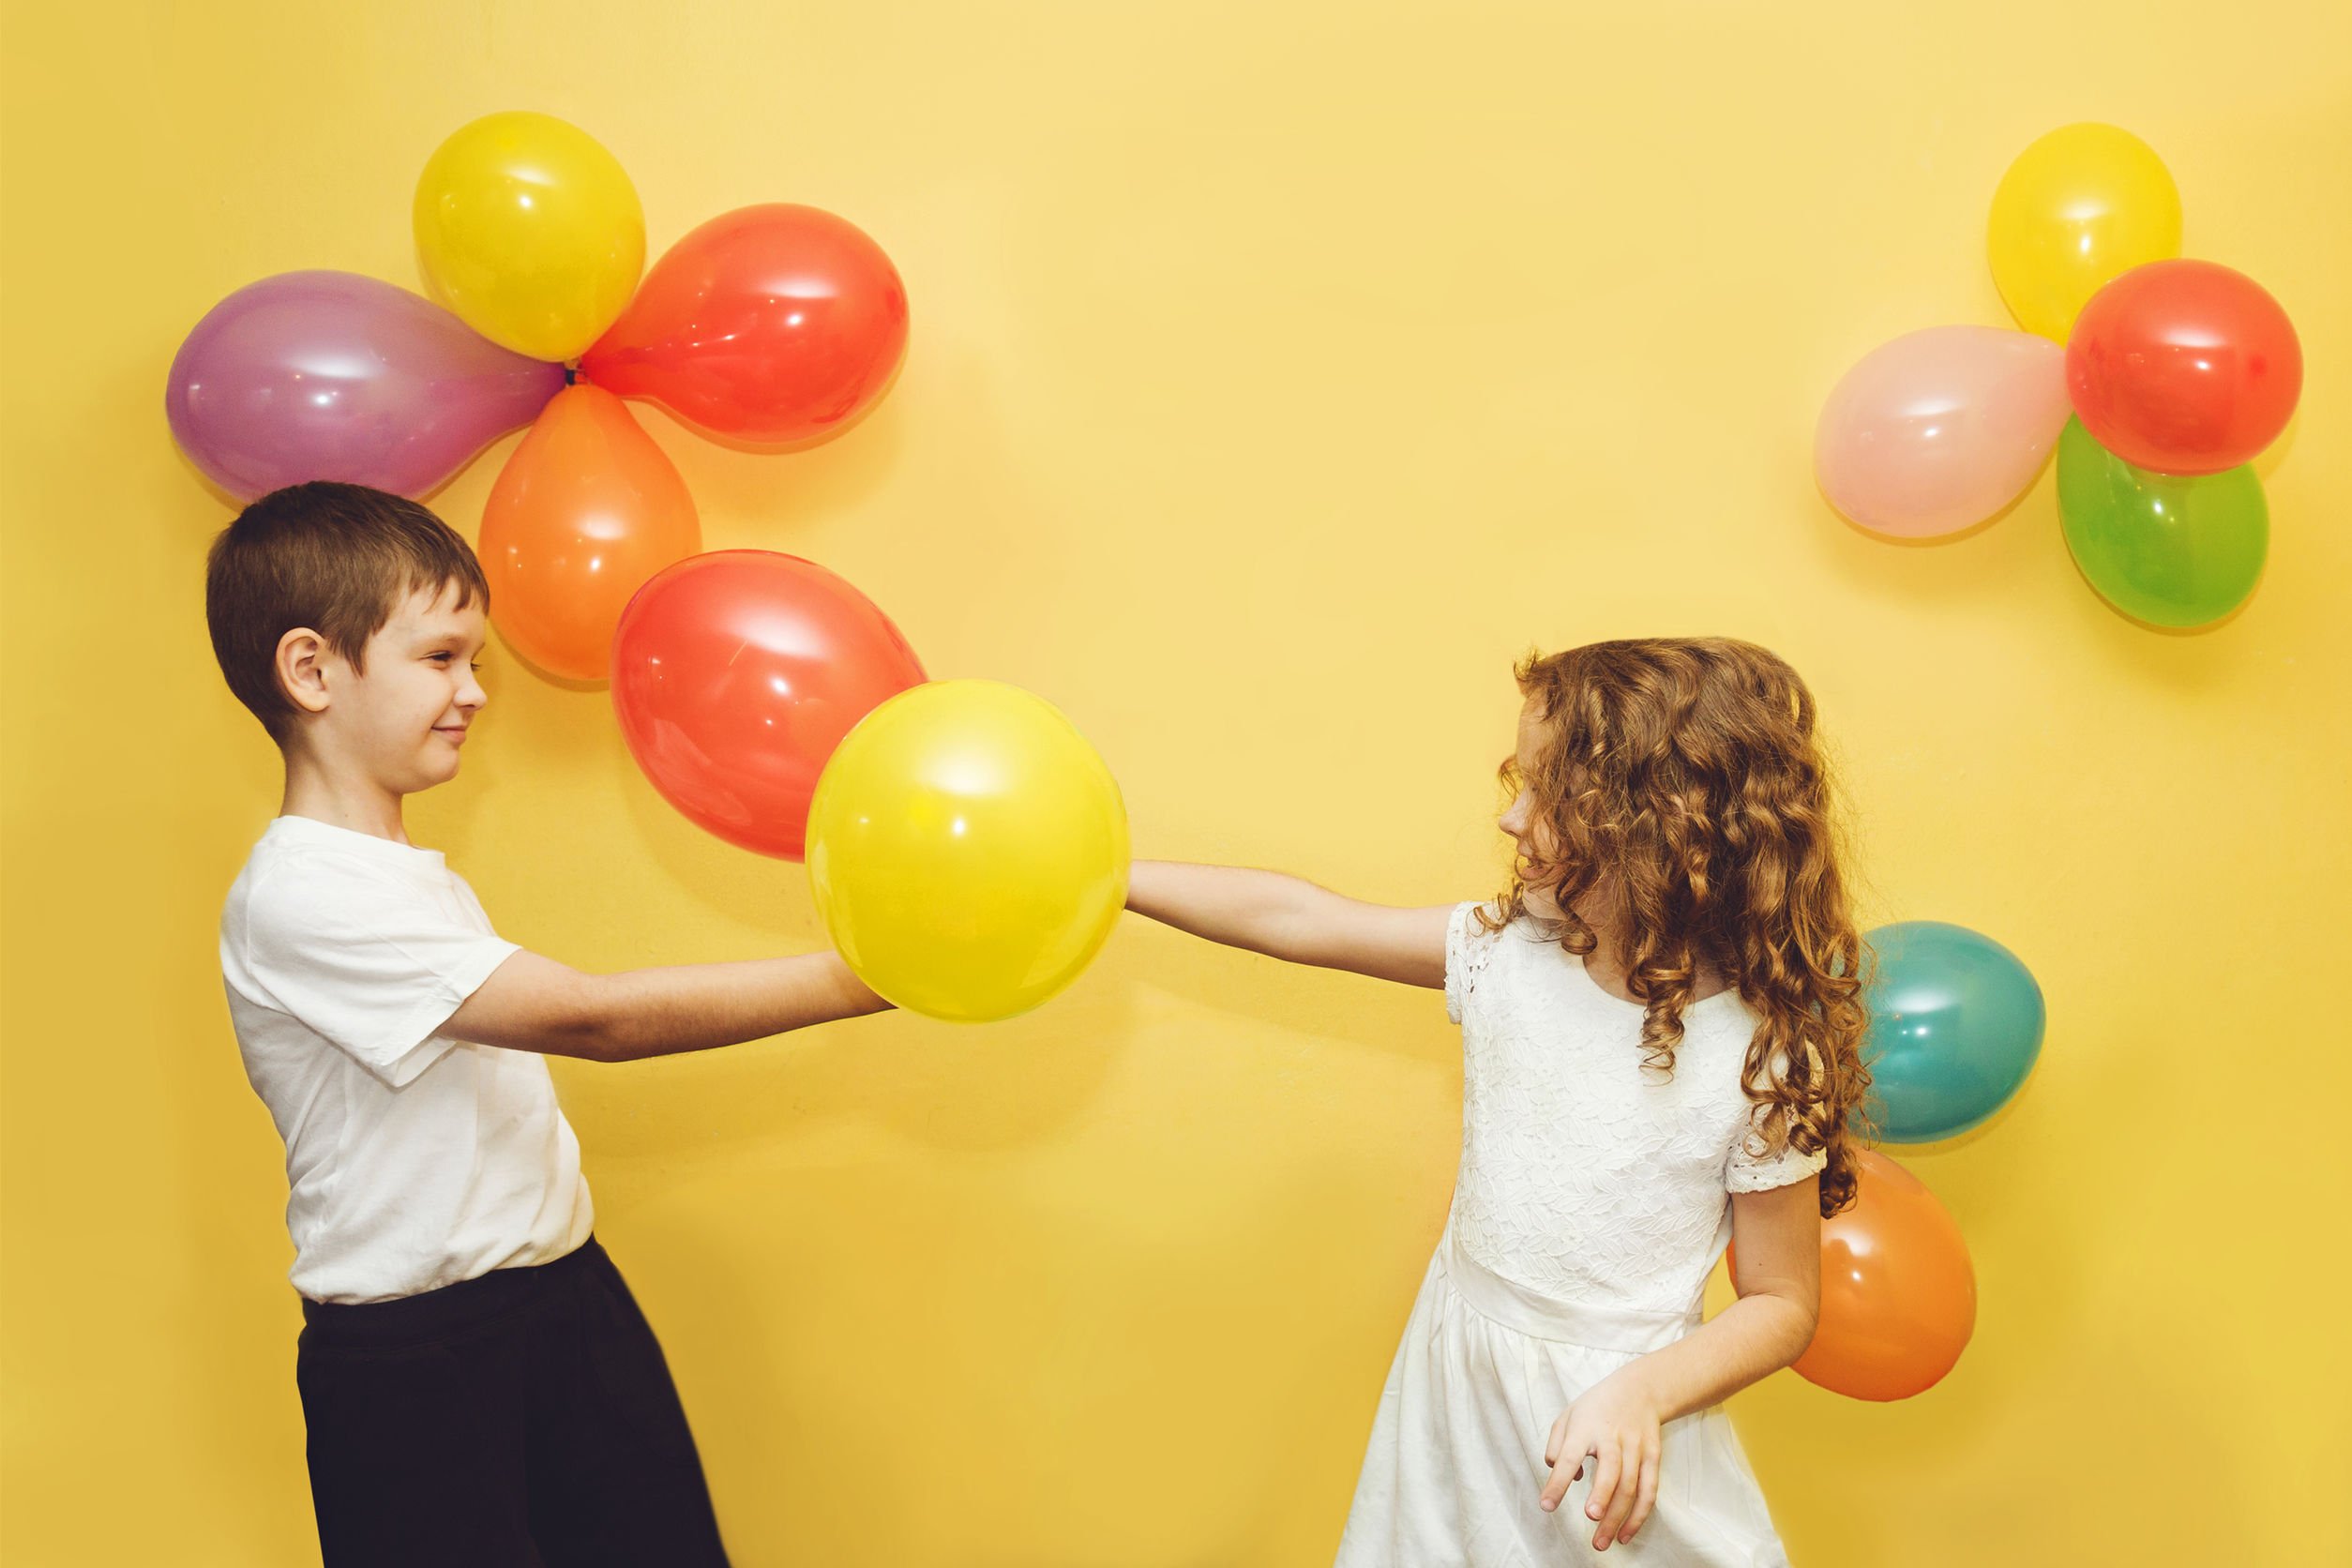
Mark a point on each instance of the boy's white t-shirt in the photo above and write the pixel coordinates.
(413, 1160)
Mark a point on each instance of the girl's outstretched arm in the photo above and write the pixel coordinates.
(1290, 918)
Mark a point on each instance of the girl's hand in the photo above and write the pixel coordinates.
(1615, 1427)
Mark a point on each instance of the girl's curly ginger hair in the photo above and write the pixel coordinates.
(1682, 778)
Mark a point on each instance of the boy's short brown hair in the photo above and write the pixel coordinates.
(336, 558)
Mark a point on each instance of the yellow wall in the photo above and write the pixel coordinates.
(1279, 371)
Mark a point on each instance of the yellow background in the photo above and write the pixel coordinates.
(1279, 371)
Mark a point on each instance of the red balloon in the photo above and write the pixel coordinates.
(736, 672)
(769, 325)
(2184, 368)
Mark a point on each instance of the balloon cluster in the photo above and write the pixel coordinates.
(967, 847)
(1955, 1024)
(2177, 373)
(773, 325)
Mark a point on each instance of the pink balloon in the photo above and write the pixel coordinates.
(330, 375)
(1939, 430)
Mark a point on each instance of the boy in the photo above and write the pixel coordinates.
(477, 1384)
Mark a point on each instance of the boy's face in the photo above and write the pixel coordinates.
(405, 715)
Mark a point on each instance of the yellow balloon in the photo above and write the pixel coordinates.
(968, 849)
(2079, 208)
(530, 232)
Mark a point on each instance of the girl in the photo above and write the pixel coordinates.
(1661, 1019)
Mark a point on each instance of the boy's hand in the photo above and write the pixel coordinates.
(532, 1002)
(1615, 1428)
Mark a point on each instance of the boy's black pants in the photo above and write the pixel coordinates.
(522, 1418)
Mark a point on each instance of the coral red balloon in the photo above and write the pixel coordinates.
(584, 512)
(770, 326)
(2184, 367)
(735, 675)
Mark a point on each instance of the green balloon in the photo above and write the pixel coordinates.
(2173, 549)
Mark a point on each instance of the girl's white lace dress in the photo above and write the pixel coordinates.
(1594, 1200)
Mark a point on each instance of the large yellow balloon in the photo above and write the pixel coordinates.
(2079, 208)
(530, 232)
(968, 849)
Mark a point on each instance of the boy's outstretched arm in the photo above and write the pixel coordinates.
(1288, 917)
(534, 1003)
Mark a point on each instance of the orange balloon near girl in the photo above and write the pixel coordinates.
(1898, 1294)
(586, 511)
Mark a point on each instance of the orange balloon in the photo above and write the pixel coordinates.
(1898, 1294)
(586, 510)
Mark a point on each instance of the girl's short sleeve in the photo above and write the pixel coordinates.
(1753, 1169)
(1468, 947)
(1756, 1165)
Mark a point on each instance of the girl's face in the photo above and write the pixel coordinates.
(1530, 832)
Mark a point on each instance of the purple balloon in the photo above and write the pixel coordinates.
(330, 375)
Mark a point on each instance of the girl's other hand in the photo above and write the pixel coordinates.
(1615, 1428)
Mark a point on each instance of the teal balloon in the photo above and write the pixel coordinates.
(1956, 1023)
(2169, 549)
